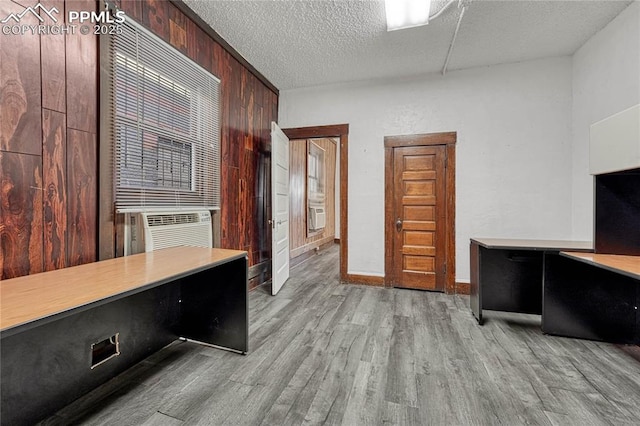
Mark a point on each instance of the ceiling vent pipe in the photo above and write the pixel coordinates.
(462, 5)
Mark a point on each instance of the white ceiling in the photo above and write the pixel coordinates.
(300, 43)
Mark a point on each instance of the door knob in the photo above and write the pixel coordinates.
(398, 225)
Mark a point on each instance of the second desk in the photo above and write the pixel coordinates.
(506, 274)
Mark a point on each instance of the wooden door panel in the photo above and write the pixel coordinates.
(419, 206)
(419, 250)
(418, 163)
(418, 175)
(419, 263)
(419, 187)
(418, 238)
(419, 201)
(419, 213)
(419, 226)
(419, 280)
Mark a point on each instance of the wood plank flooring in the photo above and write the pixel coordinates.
(326, 353)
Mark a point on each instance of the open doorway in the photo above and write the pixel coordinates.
(316, 190)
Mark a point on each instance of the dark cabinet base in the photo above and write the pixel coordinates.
(47, 366)
(505, 280)
(584, 301)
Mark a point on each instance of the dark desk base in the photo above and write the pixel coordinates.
(505, 280)
(48, 366)
(584, 301)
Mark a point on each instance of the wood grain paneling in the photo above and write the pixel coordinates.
(54, 161)
(297, 195)
(20, 94)
(155, 16)
(53, 54)
(177, 29)
(64, 74)
(81, 197)
(82, 74)
(48, 84)
(20, 214)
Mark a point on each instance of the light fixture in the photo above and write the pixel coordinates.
(406, 13)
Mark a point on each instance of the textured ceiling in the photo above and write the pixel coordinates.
(300, 43)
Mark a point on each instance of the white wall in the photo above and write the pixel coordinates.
(513, 151)
(606, 80)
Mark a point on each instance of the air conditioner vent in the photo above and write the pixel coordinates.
(153, 231)
(172, 219)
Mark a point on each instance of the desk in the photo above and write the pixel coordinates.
(506, 274)
(592, 296)
(49, 321)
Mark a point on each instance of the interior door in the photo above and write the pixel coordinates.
(420, 213)
(279, 208)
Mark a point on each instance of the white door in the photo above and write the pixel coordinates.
(279, 208)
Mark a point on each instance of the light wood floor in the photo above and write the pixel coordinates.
(326, 353)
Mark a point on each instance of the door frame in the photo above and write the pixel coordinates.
(448, 140)
(340, 131)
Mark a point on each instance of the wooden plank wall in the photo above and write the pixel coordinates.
(299, 243)
(48, 145)
(248, 107)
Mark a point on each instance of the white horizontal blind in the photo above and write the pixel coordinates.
(166, 125)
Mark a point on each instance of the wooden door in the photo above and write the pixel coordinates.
(419, 207)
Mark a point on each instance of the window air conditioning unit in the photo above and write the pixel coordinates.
(144, 232)
(317, 217)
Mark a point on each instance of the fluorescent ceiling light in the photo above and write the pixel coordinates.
(406, 13)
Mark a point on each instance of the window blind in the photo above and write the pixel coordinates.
(165, 125)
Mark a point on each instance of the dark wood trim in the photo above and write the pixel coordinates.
(331, 131)
(340, 131)
(450, 277)
(182, 7)
(336, 240)
(301, 258)
(463, 288)
(388, 218)
(447, 139)
(365, 280)
(314, 245)
(295, 261)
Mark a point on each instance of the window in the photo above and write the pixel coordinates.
(165, 125)
(315, 188)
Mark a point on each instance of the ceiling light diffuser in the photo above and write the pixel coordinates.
(406, 13)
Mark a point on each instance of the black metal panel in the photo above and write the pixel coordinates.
(584, 301)
(47, 367)
(475, 293)
(214, 306)
(511, 280)
(617, 213)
